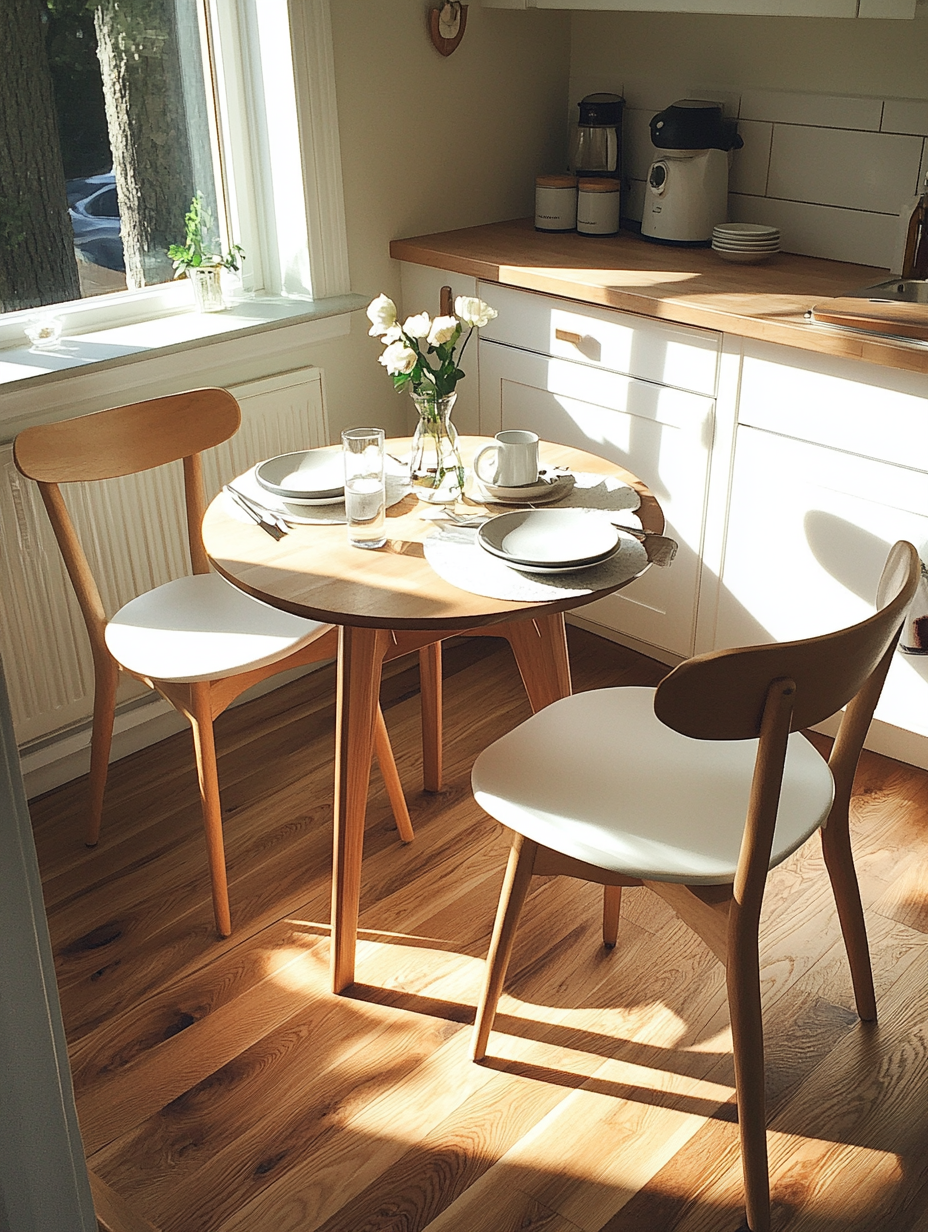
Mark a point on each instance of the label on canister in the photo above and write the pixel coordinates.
(598, 207)
(555, 203)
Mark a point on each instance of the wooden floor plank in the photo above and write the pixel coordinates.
(221, 1087)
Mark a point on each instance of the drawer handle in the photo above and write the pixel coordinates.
(564, 335)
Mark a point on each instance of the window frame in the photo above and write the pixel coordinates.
(293, 252)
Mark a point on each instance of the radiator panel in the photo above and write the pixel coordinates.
(132, 530)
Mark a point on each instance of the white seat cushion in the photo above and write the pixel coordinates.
(203, 628)
(597, 776)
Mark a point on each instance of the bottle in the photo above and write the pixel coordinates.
(915, 237)
(555, 203)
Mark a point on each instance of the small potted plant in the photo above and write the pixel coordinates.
(199, 259)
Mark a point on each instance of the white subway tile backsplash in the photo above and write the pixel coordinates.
(637, 150)
(821, 110)
(905, 115)
(821, 230)
(856, 170)
(749, 165)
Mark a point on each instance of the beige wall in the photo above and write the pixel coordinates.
(429, 143)
(822, 55)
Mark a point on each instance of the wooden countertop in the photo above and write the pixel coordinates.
(691, 286)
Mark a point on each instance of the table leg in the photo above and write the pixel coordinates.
(360, 659)
(540, 649)
(430, 702)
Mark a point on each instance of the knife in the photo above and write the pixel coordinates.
(274, 529)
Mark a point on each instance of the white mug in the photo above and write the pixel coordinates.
(516, 460)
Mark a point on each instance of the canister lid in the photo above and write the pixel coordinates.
(600, 185)
(556, 181)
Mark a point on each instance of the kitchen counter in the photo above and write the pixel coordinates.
(691, 286)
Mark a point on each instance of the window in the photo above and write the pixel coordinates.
(199, 96)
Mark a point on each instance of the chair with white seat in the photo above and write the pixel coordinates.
(199, 641)
(695, 789)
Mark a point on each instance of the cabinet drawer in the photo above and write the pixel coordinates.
(614, 341)
(876, 413)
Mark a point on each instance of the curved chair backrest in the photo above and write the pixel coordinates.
(722, 695)
(127, 439)
(124, 441)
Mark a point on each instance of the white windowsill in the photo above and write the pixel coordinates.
(23, 367)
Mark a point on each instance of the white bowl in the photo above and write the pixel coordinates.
(315, 474)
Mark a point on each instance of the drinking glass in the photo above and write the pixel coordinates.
(365, 497)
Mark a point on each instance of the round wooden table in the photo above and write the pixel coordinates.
(388, 602)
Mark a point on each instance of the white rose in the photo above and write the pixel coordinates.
(474, 312)
(442, 329)
(417, 326)
(381, 312)
(398, 358)
(393, 334)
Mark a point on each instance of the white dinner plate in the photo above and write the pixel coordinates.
(313, 476)
(561, 539)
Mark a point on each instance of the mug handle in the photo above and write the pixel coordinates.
(476, 462)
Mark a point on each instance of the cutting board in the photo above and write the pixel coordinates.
(903, 320)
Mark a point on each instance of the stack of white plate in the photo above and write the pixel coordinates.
(550, 540)
(745, 242)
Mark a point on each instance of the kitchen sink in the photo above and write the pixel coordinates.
(894, 291)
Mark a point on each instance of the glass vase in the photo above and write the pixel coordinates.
(436, 471)
(207, 287)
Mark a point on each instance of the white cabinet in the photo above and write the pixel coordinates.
(812, 513)
(755, 8)
(662, 434)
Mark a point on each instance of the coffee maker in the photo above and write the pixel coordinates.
(686, 194)
(596, 142)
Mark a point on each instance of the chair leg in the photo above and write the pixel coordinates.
(836, 846)
(391, 778)
(512, 896)
(106, 676)
(612, 904)
(201, 721)
(743, 975)
(431, 705)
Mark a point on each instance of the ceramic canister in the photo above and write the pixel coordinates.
(555, 202)
(598, 207)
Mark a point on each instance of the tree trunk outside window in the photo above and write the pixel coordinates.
(37, 263)
(137, 46)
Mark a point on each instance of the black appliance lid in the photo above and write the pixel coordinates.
(601, 111)
(694, 124)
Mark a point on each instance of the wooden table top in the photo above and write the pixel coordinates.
(690, 286)
(314, 572)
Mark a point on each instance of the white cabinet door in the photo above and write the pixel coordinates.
(809, 528)
(662, 435)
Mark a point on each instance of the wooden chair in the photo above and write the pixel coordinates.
(197, 640)
(695, 789)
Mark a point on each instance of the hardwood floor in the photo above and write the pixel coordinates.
(221, 1088)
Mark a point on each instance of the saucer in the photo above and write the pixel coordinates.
(552, 485)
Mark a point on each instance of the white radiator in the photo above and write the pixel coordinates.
(132, 530)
